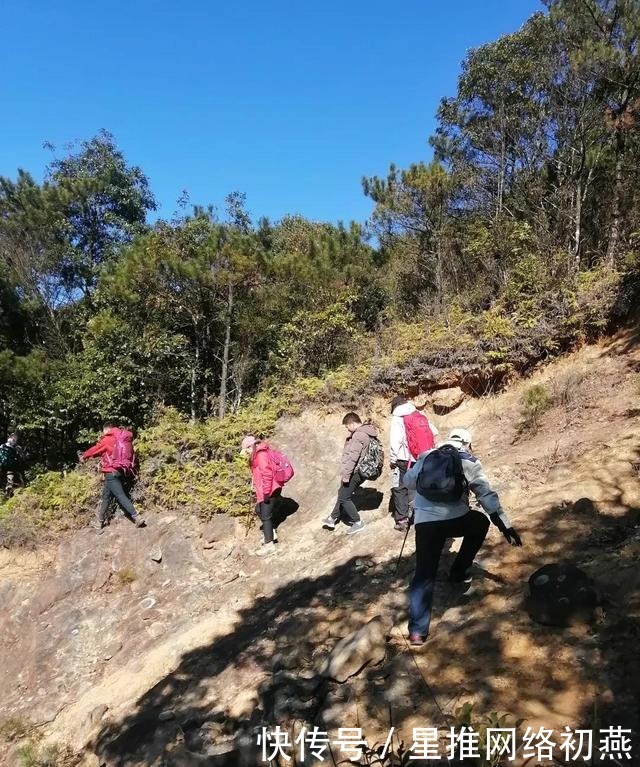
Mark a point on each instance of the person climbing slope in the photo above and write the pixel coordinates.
(270, 471)
(11, 473)
(117, 460)
(442, 479)
(411, 434)
(362, 459)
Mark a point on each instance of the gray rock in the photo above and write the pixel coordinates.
(111, 649)
(561, 594)
(166, 716)
(96, 714)
(156, 554)
(218, 528)
(366, 645)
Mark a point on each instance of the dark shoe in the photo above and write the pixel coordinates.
(266, 550)
(417, 640)
(140, 522)
(356, 527)
(401, 526)
(466, 577)
(329, 523)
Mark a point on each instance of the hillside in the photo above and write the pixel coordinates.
(160, 646)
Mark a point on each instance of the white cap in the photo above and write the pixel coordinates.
(461, 435)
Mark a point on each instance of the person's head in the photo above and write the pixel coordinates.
(12, 440)
(397, 401)
(351, 422)
(108, 425)
(461, 436)
(247, 445)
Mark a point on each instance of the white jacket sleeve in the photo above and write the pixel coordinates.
(397, 438)
(481, 488)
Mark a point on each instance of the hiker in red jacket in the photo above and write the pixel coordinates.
(115, 449)
(266, 487)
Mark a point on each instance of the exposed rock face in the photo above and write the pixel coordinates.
(561, 594)
(446, 400)
(366, 645)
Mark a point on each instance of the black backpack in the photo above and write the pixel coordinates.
(441, 478)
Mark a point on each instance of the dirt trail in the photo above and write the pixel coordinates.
(104, 639)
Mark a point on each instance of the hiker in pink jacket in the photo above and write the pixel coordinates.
(266, 487)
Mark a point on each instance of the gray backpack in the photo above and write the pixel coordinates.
(371, 463)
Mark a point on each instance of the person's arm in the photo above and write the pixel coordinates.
(264, 477)
(350, 457)
(434, 428)
(396, 438)
(489, 499)
(98, 449)
(411, 477)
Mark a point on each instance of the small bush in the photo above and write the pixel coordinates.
(14, 728)
(31, 754)
(126, 576)
(535, 403)
(466, 717)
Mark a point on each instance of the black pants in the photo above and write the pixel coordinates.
(400, 496)
(112, 487)
(345, 502)
(430, 539)
(265, 512)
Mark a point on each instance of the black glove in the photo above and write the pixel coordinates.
(266, 499)
(393, 465)
(509, 533)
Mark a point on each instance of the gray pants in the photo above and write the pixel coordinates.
(112, 488)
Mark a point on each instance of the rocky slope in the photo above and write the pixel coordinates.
(169, 645)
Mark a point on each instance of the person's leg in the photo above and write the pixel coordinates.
(346, 497)
(116, 489)
(400, 496)
(10, 483)
(266, 515)
(473, 528)
(430, 538)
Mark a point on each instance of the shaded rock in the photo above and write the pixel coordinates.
(560, 594)
(166, 716)
(446, 400)
(366, 645)
(219, 528)
(156, 554)
(96, 714)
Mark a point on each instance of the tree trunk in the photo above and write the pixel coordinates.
(194, 381)
(578, 228)
(224, 375)
(614, 230)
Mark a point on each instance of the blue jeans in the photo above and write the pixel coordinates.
(430, 540)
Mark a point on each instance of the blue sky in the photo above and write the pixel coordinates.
(290, 102)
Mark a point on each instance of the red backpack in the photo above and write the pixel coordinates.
(282, 468)
(122, 457)
(419, 434)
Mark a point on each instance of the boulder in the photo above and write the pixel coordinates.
(561, 594)
(446, 400)
(156, 554)
(218, 528)
(367, 645)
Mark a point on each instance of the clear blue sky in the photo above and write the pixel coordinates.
(290, 102)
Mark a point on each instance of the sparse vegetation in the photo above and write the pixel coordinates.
(14, 728)
(126, 576)
(535, 402)
(35, 754)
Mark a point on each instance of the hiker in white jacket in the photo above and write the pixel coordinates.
(400, 461)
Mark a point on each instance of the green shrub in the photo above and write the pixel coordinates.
(535, 402)
(126, 576)
(14, 728)
(32, 754)
(466, 717)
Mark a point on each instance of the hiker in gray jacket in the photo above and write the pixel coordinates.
(355, 447)
(442, 511)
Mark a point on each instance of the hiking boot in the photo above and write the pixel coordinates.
(466, 577)
(402, 526)
(140, 522)
(356, 527)
(329, 523)
(275, 536)
(417, 640)
(266, 550)
(99, 526)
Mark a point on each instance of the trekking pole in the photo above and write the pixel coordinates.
(402, 549)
